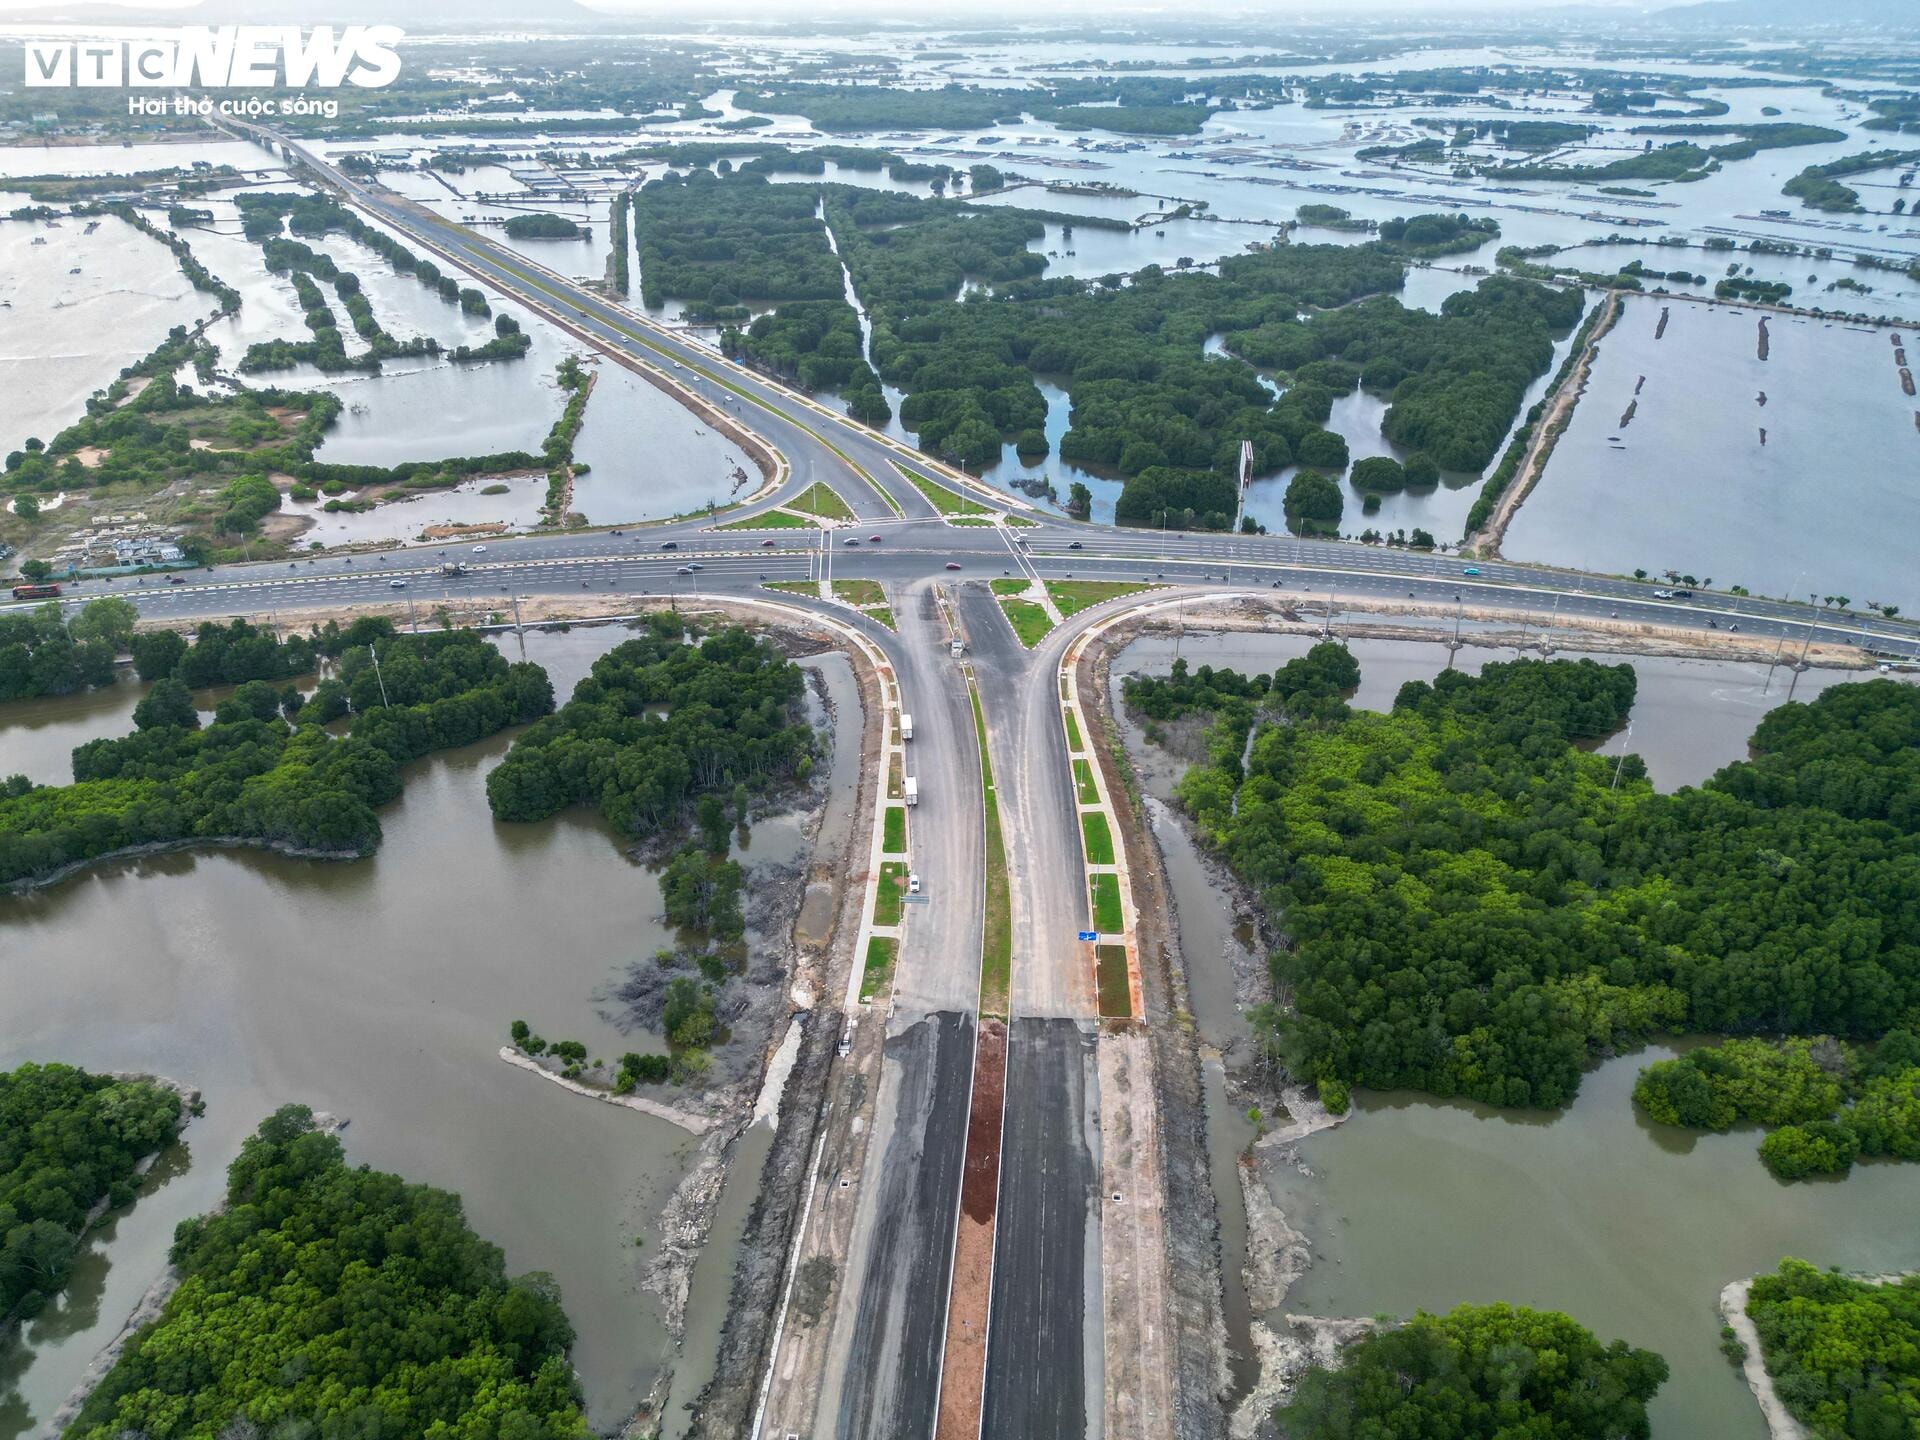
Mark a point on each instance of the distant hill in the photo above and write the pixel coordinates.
(1718, 15)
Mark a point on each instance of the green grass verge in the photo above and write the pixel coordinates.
(1010, 587)
(881, 950)
(1116, 995)
(1073, 732)
(886, 898)
(820, 499)
(1073, 596)
(1083, 780)
(1107, 918)
(893, 837)
(1021, 522)
(884, 614)
(1030, 622)
(793, 587)
(859, 592)
(1098, 838)
(996, 930)
(769, 520)
(947, 502)
(971, 520)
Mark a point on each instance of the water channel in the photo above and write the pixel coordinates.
(378, 990)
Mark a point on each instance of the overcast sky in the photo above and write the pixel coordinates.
(1000, 10)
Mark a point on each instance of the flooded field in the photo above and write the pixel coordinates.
(1730, 465)
(378, 990)
(65, 334)
(1418, 1203)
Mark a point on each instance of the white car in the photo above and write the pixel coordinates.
(396, 584)
(913, 883)
(479, 549)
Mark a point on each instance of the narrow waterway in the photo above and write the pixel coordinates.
(1418, 1203)
(378, 990)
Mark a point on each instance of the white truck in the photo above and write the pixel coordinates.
(906, 726)
(913, 791)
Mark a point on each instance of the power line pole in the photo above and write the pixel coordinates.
(374, 651)
(1623, 757)
(1800, 664)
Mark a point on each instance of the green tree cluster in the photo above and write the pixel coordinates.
(1478, 906)
(657, 723)
(816, 345)
(250, 775)
(720, 244)
(1833, 1103)
(261, 213)
(1844, 1353)
(68, 1141)
(1818, 187)
(437, 690)
(701, 891)
(1313, 504)
(1428, 237)
(42, 653)
(542, 225)
(1481, 1372)
(902, 250)
(619, 260)
(334, 1299)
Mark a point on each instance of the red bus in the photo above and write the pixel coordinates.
(35, 592)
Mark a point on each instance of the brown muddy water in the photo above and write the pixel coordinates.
(379, 990)
(1418, 1203)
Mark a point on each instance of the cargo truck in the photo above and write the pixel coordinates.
(913, 791)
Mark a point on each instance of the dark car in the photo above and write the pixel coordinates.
(669, 544)
(1076, 545)
(953, 564)
(873, 539)
(1683, 594)
(766, 544)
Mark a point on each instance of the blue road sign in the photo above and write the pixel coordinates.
(1089, 934)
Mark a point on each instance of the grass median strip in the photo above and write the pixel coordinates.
(893, 840)
(822, 500)
(1073, 732)
(1010, 587)
(996, 931)
(947, 502)
(1030, 621)
(886, 899)
(1083, 782)
(1116, 992)
(793, 587)
(878, 974)
(769, 520)
(1107, 918)
(1072, 596)
(1098, 838)
(859, 592)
